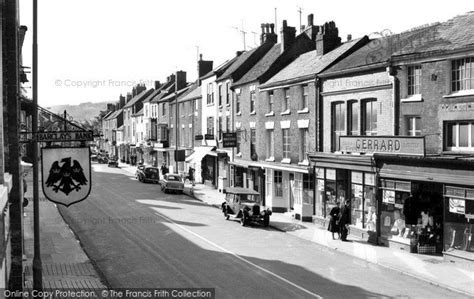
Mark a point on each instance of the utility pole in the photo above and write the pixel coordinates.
(300, 11)
(276, 29)
(37, 264)
(176, 122)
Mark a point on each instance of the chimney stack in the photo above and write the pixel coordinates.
(110, 107)
(311, 31)
(327, 38)
(121, 102)
(288, 35)
(129, 97)
(157, 85)
(268, 34)
(204, 67)
(349, 37)
(181, 79)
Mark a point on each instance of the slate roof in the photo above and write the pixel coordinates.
(115, 114)
(138, 98)
(194, 92)
(221, 68)
(172, 94)
(261, 66)
(164, 91)
(238, 62)
(309, 64)
(456, 33)
(139, 113)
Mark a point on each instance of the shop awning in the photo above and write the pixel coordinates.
(199, 153)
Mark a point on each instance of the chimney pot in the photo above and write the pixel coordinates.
(263, 28)
(284, 24)
(272, 28)
(349, 37)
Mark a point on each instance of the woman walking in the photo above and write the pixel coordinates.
(334, 221)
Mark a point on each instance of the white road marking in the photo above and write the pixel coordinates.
(239, 257)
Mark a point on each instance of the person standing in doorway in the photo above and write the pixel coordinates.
(334, 221)
(344, 220)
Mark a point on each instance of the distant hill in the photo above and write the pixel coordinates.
(83, 111)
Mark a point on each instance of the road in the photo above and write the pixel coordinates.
(141, 237)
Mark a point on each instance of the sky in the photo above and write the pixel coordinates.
(95, 50)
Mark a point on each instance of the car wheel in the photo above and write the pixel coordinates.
(266, 220)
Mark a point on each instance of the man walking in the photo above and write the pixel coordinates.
(345, 220)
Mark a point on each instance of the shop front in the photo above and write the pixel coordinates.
(247, 174)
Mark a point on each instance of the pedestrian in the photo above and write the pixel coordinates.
(333, 226)
(344, 220)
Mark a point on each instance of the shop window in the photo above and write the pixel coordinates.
(459, 220)
(363, 203)
(278, 182)
(338, 125)
(331, 188)
(413, 125)
(353, 118)
(462, 74)
(369, 118)
(308, 187)
(414, 80)
(459, 136)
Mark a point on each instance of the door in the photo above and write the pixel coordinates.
(292, 191)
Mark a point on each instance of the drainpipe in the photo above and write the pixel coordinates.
(319, 116)
(392, 72)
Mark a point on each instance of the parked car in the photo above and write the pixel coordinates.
(147, 174)
(101, 158)
(172, 182)
(113, 162)
(240, 204)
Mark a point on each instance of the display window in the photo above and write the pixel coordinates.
(331, 188)
(395, 194)
(363, 202)
(459, 219)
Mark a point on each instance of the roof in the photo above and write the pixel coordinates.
(244, 57)
(456, 33)
(221, 68)
(310, 63)
(138, 98)
(179, 93)
(152, 95)
(194, 92)
(139, 113)
(164, 91)
(120, 128)
(261, 66)
(114, 114)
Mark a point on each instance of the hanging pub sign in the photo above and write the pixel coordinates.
(66, 174)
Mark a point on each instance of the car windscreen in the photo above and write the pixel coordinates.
(151, 170)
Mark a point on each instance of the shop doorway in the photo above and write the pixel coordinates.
(292, 191)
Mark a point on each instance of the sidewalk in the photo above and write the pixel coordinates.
(432, 269)
(65, 264)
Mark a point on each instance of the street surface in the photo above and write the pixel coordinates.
(140, 237)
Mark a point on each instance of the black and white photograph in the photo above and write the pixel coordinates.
(236, 149)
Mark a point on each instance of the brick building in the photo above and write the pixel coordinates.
(287, 128)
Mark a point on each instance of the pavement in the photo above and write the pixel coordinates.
(66, 265)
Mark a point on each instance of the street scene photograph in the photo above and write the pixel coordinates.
(223, 149)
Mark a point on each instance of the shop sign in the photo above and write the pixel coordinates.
(66, 174)
(199, 137)
(457, 206)
(382, 144)
(369, 179)
(457, 107)
(209, 136)
(229, 139)
(388, 196)
(356, 177)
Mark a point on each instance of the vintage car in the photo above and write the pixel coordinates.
(102, 158)
(240, 204)
(148, 174)
(113, 162)
(172, 182)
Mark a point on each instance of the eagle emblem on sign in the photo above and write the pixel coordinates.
(66, 174)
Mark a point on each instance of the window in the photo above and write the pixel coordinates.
(253, 141)
(210, 125)
(227, 94)
(239, 140)
(227, 124)
(303, 144)
(414, 80)
(338, 115)
(308, 187)
(270, 144)
(270, 101)
(181, 109)
(183, 136)
(252, 102)
(460, 136)
(369, 118)
(353, 115)
(304, 99)
(462, 75)
(413, 126)
(220, 127)
(286, 143)
(237, 103)
(278, 179)
(196, 105)
(210, 94)
(286, 100)
(220, 95)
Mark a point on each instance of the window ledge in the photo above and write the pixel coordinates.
(286, 161)
(270, 114)
(286, 112)
(413, 98)
(228, 104)
(462, 93)
(271, 159)
(239, 154)
(220, 106)
(253, 113)
(304, 110)
(238, 113)
(304, 163)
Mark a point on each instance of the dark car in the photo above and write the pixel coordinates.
(241, 204)
(147, 174)
(113, 162)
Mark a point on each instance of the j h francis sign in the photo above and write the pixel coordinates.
(396, 145)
